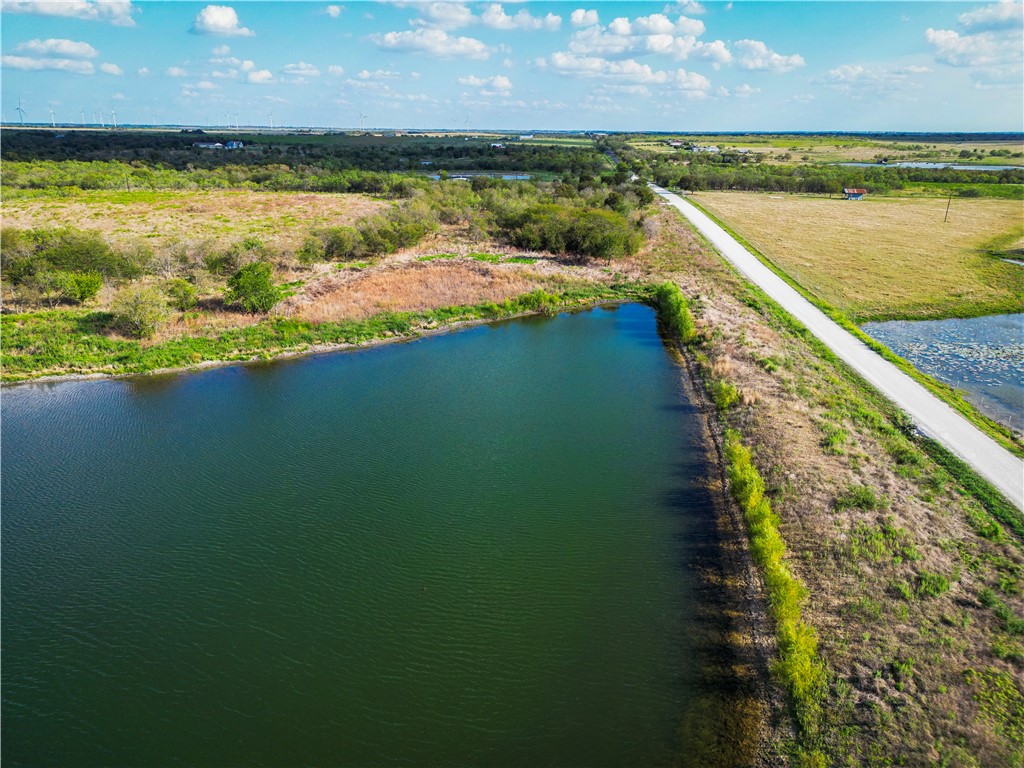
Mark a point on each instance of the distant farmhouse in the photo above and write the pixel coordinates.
(855, 194)
(218, 145)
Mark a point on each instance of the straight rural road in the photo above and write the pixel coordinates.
(932, 416)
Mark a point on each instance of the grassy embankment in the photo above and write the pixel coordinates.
(998, 432)
(77, 342)
(912, 585)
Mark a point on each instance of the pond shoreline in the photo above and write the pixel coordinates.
(315, 349)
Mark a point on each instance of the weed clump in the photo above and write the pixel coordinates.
(674, 312)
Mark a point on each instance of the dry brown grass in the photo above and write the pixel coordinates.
(882, 257)
(406, 287)
(161, 219)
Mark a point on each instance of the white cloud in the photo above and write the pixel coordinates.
(444, 15)
(206, 85)
(221, 50)
(335, 71)
(582, 18)
(259, 76)
(61, 65)
(58, 47)
(248, 65)
(979, 50)
(624, 71)
(688, 7)
(176, 72)
(498, 83)
(862, 81)
(219, 20)
(745, 90)
(302, 69)
(656, 34)
(1006, 14)
(435, 42)
(118, 12)
(334, 11)
(494, 16)
(754, 54)
(142, 71)
(111, 69)
(379, 74)
(119, 97)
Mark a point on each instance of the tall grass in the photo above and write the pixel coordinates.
(799, 667)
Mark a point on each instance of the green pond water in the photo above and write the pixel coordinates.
(473, 549)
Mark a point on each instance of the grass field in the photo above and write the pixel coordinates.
(164, 218)
(884, 258)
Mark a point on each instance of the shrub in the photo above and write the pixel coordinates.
(674, 312)
(343, 243)
(252, 288)
(55, 286)
(724, 394)
(139, 311)
(74, 251)
(311, 251)
(181, 294)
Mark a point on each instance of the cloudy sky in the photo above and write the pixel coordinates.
(690, 66)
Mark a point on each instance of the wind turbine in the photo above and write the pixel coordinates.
(83, 117)
(53, 122)
(102, 124)
(236, 121)
(21, 112)
(271, 116)
(362, 117)
(113, 116)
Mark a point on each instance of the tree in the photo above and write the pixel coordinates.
(139, 311)
(181, 294)
(252, 288)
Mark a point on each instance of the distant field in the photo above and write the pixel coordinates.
(835, 149)
(279, 219)
(884, 258)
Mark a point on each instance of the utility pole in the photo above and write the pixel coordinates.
(948, 203)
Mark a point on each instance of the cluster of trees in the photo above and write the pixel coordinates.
(817, 178)
(329, 154)
(62, 265)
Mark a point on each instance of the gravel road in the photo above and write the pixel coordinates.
(932, 416)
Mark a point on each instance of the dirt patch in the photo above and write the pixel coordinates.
(407, 287)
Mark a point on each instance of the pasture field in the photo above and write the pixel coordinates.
(884, 258)
(166, 217)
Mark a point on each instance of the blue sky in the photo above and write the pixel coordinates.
(687, 66)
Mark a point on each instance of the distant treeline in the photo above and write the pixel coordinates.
(821, 179)
(329, 153)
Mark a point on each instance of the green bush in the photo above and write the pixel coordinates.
(311, 251)
(343, 243)
(724, 395)
(181, 294)
(251, 287)
(860, 497)
(55, 285)
(139, 311)
(674, 312)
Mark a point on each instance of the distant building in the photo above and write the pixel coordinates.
(854, 194)
(526, 136)
(497, 146)
(208, 145)
(234, 145)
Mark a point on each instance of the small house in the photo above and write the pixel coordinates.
(234, 145)
(208, 145)
(855, 194)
